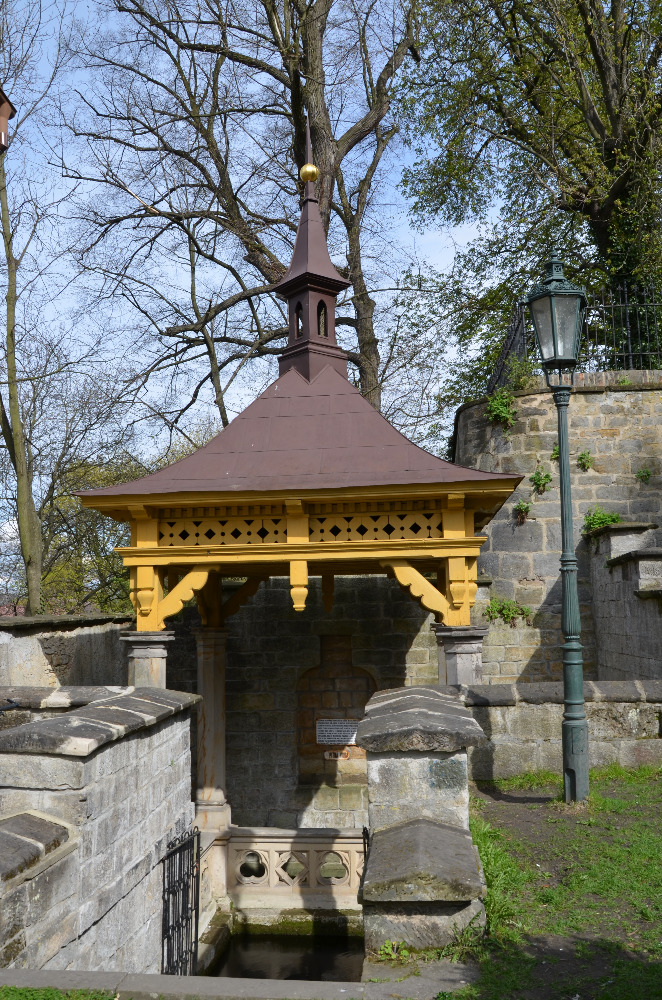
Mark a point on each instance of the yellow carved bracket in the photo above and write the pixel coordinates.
(241, 595)
(425, 593)
(184, 591)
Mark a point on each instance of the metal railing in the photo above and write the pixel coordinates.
(622, 331)
(181, 902)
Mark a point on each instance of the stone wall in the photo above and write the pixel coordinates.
(626, 573)
(523, 725)
(44, 651)
(100, 791)
(617, 416)
(388, 643)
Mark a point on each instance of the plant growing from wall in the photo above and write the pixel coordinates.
(585, 460)
(500, 408)
(522, 510)
(598, 517)
(393, 951)
(540, 480)
(555, 452)
(507, 611)
(643, 475)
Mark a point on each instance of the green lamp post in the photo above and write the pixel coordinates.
(557, 309)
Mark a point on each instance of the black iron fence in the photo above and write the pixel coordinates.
(181, 903)
(622, 330)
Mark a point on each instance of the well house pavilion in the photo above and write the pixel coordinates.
(308, 481)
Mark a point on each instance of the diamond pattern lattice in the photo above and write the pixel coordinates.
(228, 531)
(376, 527)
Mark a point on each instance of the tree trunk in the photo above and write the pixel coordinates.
(29, 525)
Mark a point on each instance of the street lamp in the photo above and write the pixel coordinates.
(557, 308)
(7, 111)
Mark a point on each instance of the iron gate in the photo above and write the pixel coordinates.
(181, 898)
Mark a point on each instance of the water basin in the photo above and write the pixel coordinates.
(271, 956)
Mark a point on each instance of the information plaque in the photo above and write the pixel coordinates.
(341, 732)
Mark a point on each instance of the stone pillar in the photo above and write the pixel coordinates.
(212, 808)
(423, 880)
(146, 653)
(463, 653)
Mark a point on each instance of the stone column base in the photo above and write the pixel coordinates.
(146, 653)
(419, 925)
(463, 652)
(212, 817)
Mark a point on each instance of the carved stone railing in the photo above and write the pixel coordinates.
(271, 867)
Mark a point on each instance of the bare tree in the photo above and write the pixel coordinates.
(61, 394)
(195, 127)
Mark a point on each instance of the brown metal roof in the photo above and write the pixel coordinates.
(301, 435)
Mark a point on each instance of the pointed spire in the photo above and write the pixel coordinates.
(310, 285)
(311, 253)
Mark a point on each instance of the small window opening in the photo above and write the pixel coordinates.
(321, 320)
(298, 320)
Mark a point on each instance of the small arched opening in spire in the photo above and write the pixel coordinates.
(322, 321)
(298, 320)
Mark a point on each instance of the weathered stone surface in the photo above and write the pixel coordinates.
(622, 428)
(95, 902)
(61, 697)
(422, 861)
(45, 833)
(540, 693)
(489, 694)
(16, 855)
(81, 732)
(420, 718)
(652, 690)
(462, 652)
(419, 925)
(431, 784)
(65, 649)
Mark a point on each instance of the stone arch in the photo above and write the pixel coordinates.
(336, 690)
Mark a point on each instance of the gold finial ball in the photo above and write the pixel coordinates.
(309, 172)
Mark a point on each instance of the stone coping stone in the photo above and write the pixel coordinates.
(301, 833)
(417, 718)
(58, 623)
(24, 839)
(59, 697)
(81, 732)
(641, 555)
(551, 692)
(627, 527)
(433, 979)
(422, 861)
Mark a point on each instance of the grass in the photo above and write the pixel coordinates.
(28, 993)
(592, 882)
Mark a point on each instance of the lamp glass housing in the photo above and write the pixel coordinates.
(557, 309)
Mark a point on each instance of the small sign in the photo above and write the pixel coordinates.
(342, 732)
(336, 755)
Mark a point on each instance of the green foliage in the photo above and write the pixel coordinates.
(393, 951)
(522, 510)
(508, 611)
(503, 110)
(540, 480)
(47, 993)
(531, 780)
(643, 475)
(555, 452)
(500, 408)
(598, 517)
(585, 460)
